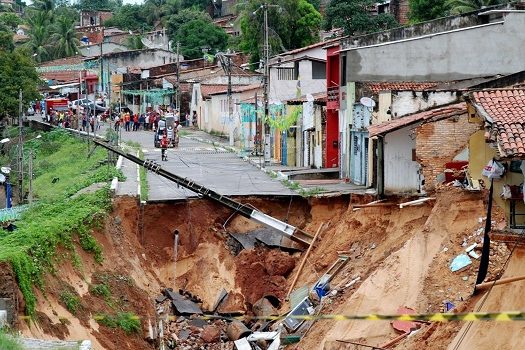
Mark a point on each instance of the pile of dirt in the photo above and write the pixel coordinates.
(262, 272)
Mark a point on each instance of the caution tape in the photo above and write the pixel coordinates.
(435, 317)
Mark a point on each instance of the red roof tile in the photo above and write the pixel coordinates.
(506, 108)
(207, 90)
(377, 87)
(319, 97)
(430, 115)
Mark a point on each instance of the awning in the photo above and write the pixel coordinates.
(54, 87)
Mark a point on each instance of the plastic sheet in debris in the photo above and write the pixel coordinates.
(460, 262)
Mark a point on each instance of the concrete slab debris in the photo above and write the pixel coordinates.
(182, 306)
(247, 240)
(242, 344)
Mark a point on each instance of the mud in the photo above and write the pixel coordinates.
(397, 257)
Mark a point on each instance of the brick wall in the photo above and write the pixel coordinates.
(439, 142)
(402, 16)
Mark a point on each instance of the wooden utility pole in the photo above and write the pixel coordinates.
(20, 151)
(267, 143)
(300, 269)
(30, 170)
(178, 80)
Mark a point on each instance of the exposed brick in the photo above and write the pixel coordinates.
(437, 143)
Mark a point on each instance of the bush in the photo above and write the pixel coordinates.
(71, 300)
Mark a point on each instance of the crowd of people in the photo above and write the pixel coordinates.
(65, 119)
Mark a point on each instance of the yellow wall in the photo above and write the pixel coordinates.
(480, 153)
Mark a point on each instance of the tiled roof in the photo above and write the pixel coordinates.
(207, 90)
(237, 89)
(506, 108)
(306, 48)
(377, 87)
(61, 76)
(432, 115)
(319, 97)
(63, 61)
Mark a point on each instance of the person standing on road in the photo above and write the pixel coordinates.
(164, 146)
(135, 122)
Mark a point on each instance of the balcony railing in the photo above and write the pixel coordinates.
(332, 101)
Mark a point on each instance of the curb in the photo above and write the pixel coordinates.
(114, 182)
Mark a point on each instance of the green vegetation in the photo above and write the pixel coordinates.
(311, 192)
(71, 300)
(57, 219)
(102, 290)
(194, 30)
(144, 186)
(292, 24)
(426, 10)
(17, 71)
(355, 18)
(8, 343)
(123, 320)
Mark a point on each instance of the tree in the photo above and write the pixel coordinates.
(6, 41)
(17, 71)
(64, 38)
(134, 42)
(129, 17)
(355, 18)
(201, 5)
(175, 21)
(291, 24)
(460, 6)
(426, 10)
(198, 33)
(99, 5)
(10, 20)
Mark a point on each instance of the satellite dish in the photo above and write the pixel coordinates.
(367, 102)
(2, 178)
(5, 169)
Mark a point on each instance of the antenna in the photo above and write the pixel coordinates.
(367, 102)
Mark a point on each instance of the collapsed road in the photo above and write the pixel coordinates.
(283, 228)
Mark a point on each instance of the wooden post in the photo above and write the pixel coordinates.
(304, 260)
(500, 281)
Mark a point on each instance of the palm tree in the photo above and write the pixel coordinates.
(461, 6)
(65, 42)
(39, 42)
(45, 6)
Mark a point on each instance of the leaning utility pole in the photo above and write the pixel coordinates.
(267, 143)
(20, 152)
(178, 80)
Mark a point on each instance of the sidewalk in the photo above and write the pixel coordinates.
(314, 187)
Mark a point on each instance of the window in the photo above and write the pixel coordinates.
(285, 73)
(318, 70)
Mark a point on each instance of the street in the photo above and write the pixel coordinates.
(207, 164)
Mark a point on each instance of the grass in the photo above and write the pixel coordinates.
(9, 343)
(123, 320)
(102, 290)
(71, 300)
(144, 186)
(57, 219)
